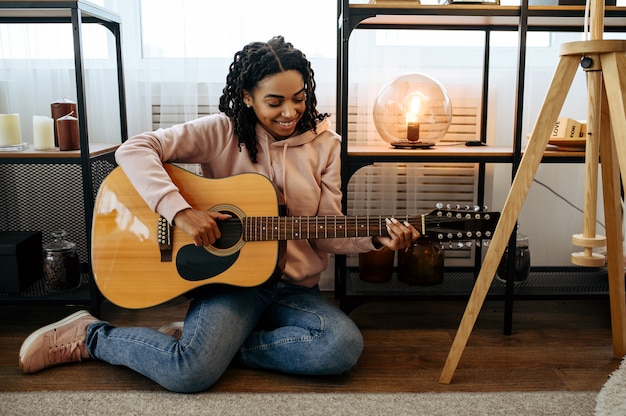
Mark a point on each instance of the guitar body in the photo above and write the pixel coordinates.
(126, 257)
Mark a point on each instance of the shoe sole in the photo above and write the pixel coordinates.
(32, 337)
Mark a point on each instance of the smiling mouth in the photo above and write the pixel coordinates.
(286, 124)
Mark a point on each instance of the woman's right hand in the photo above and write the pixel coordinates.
(201, 226)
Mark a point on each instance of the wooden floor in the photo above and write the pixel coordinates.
(555, 346)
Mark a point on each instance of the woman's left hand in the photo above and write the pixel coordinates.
(401, 235)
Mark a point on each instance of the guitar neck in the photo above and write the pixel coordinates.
(304, 227)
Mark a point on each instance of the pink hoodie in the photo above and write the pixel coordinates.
(304, 168)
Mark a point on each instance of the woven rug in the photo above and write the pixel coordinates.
(612, 397)
(163, 403)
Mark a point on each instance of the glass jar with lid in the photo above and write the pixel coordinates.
(61, 265)
(521, 270)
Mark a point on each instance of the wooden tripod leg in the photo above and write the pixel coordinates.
(559, 87)
(613, 154)
(613, 67)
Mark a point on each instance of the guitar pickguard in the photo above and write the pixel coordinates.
(196, 263)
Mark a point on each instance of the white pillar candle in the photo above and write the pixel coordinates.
(43, 132)
(10, 133)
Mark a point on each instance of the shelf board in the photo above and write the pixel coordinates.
(38, 292)
(465, 16)
(57, 10)
(450, 153)
(438, 150)
(95, 149)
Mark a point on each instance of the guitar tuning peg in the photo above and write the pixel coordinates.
(476, 208)
(458, 207)
(486, 243)
(459, 245)
(438, 205)
(448, 206)
(467, 207)
(468, 243)
(477, 243)
(485, 208)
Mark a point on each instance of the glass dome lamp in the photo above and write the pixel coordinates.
(412, 111)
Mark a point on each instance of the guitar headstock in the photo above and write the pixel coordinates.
(445, 224)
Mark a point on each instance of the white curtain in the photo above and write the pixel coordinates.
(37, 68)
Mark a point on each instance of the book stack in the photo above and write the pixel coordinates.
(568, 128)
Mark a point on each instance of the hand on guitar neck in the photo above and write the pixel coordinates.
(401, 235)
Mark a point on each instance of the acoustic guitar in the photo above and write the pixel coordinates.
(140, 261)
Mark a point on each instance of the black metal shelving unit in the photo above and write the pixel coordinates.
(77, 174)
(544, 282)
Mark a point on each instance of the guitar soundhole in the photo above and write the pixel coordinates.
(231, 230)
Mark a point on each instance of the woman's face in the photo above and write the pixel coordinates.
(278, 102)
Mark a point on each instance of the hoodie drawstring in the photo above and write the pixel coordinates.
(284, 173)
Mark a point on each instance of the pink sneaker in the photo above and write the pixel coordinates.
(58, 343)
(173, 329)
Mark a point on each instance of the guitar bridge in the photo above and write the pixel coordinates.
(164, 238)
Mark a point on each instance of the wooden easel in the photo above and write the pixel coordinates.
(605, 63)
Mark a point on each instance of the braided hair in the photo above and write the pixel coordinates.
(253, 63)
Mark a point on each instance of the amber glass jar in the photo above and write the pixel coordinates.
(421, 264)
(61, 265)
(376, 266)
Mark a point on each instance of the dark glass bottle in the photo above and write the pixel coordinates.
(376, 266)
(421, 264)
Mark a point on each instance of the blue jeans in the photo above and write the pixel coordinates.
(280, 327)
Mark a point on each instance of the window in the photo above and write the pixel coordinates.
(51, 41)
(212, 29)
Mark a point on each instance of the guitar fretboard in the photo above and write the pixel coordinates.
(443, 225)
(303, 227)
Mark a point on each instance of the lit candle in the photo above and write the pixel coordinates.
(67, 129)
(43, 132)
(412, 131)
(10, 132)
(412, 122)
